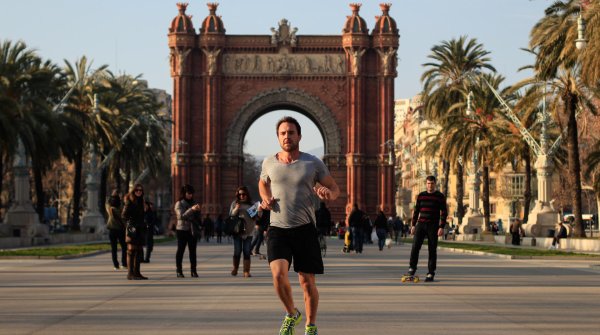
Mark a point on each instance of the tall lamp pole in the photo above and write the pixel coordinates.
(475, 220)
(21, 218)
(92, 221)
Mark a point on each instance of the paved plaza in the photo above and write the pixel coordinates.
(360, 294)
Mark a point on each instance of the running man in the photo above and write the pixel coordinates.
(429, 219)
(287, 182)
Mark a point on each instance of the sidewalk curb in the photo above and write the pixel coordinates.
(512, 257)
(88, 254)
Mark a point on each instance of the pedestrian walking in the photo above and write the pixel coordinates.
(241, 207)
(356, 224)
(381, 229)
(428, 221)
(323, 217)
(187, 229)
(287, 184)
(219, 228)
(152, 224)
(262, 224)
(136, 230)
(116, 230)
(208, 226)
(516, 231)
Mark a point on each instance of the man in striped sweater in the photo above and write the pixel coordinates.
(429, 219)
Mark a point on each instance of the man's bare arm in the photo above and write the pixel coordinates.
(264, 188)
(328, 190)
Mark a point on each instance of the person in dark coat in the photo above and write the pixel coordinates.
(136, 230)
(381, 229)
(516, 230)
(323, 217)
(116, 229)
(219, 228)
(356, 225)
(151, 222)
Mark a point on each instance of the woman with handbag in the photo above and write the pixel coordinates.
(136, 230)
(243, 238)
(187, 229)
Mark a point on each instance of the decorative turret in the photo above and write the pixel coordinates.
(385, 24)
(355, 39)
(355, 23)
(212, 23)
(212, 32)
(182, 23)
(386, 40)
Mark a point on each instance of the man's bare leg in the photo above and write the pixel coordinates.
(281, 282)
(311, 296)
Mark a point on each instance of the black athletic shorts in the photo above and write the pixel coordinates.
(300, 244)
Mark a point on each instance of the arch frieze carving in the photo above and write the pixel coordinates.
(306, 103)
(280, 64)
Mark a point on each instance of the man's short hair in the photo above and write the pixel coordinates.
(288, 119)
(430, 178)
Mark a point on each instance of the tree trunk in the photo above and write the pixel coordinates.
(446, 173)
(574, 164)
(39, 191)
(1, 180)
(102, 191)
(127, 177)
(527, 193)
(77, 190)
(486, 197)
(460, 193)
(116, 176)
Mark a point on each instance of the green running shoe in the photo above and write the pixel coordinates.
(310, 330)
(289, 322)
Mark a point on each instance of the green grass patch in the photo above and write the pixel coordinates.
(68, 250)
(512, 251)
(58, 251)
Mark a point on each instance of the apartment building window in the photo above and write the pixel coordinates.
(493, 208)
(492, 186)
(517, 185)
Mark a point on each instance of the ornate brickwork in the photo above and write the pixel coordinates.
(344, 84)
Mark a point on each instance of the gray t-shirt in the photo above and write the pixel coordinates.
(292, 186)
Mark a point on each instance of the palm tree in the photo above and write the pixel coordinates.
(42, 126)
(558, 62)
(474, 134)
(79, 108)
(452, 62)
(126, 103)
(28, 89)
(513, 149)
(15, 60)
(556, 33)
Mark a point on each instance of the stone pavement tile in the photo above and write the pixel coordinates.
(359, 294)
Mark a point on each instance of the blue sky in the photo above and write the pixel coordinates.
(131, 35)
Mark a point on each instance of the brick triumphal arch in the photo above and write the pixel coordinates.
(344, 83)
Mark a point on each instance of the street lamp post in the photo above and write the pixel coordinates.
(21, 218)
(92, 221)
(580, 42)
(475, 220)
